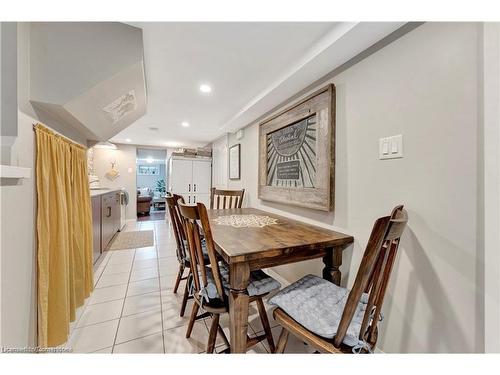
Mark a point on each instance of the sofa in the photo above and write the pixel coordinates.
(144, 198)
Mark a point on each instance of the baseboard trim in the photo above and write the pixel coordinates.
(284, 282)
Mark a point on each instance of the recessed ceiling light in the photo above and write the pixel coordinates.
(204, 88)
(153, 128)
(185, 124)
(128, 140)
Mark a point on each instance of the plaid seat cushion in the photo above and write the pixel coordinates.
(203, 250)
(318, 304)
(260, 283)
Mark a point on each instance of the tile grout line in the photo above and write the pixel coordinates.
(85, 304)
(99, 278)
(136, 281)
(121, 316)
(83, 307)
(159, 287)
(124, 316)
(98, 350)
(108, 262)
(94, 324)
(136, 338)
(161, 299)
(123, 306)
(102, 273)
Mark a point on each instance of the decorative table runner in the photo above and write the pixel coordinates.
(243, 221)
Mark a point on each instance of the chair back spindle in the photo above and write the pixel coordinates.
(192, 216)
(225, 199)
(177, 225)
(373, 275)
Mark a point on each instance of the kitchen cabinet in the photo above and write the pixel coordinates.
(96, 227)
(201, 198)
(181, 175)
(202, 182)
(110, 217)
(191, 178)
(106, 220)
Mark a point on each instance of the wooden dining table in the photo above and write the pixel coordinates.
(253, 240)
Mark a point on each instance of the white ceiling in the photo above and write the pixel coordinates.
(157, 156)
(77, 69)
(251, 67)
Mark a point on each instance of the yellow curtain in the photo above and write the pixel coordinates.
(64, 234)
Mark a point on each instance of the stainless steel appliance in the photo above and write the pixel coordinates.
(124, 199)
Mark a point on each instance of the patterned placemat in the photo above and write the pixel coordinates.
(245, 221)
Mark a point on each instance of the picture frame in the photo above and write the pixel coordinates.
(235, 162)
(297, 153)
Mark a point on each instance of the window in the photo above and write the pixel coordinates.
(148, 170)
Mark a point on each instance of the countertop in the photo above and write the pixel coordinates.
(97, 192)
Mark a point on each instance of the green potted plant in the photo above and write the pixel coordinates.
(160, 187)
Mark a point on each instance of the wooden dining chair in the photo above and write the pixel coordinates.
(224, 199)
(333, 319)
(181, 249)
(211, 281)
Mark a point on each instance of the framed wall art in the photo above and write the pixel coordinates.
(297, 153)
(235, 162)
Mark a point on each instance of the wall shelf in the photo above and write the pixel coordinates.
(9, 171)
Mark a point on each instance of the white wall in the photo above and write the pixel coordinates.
(18, 273)
(8, 86)
(425, 87)
(18, 206)
(1, 160)
(220, 162)
(125, 158)
(491, 116)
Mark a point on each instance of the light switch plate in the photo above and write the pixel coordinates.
(391, 147)
(239, 134)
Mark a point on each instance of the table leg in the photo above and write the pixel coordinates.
(333, 261)
(238, 306)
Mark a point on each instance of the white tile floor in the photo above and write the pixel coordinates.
(133, 308)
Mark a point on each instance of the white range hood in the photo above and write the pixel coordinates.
(89, 75)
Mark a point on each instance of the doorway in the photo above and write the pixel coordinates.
(151, 184)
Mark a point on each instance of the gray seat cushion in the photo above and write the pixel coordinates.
(203, 250)
(260, 283)
(318, 304)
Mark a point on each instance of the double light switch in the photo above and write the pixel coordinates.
(391, 147)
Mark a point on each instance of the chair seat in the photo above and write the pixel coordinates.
(260, 283)
(317, 305)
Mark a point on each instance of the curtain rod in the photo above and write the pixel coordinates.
(59, 134)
